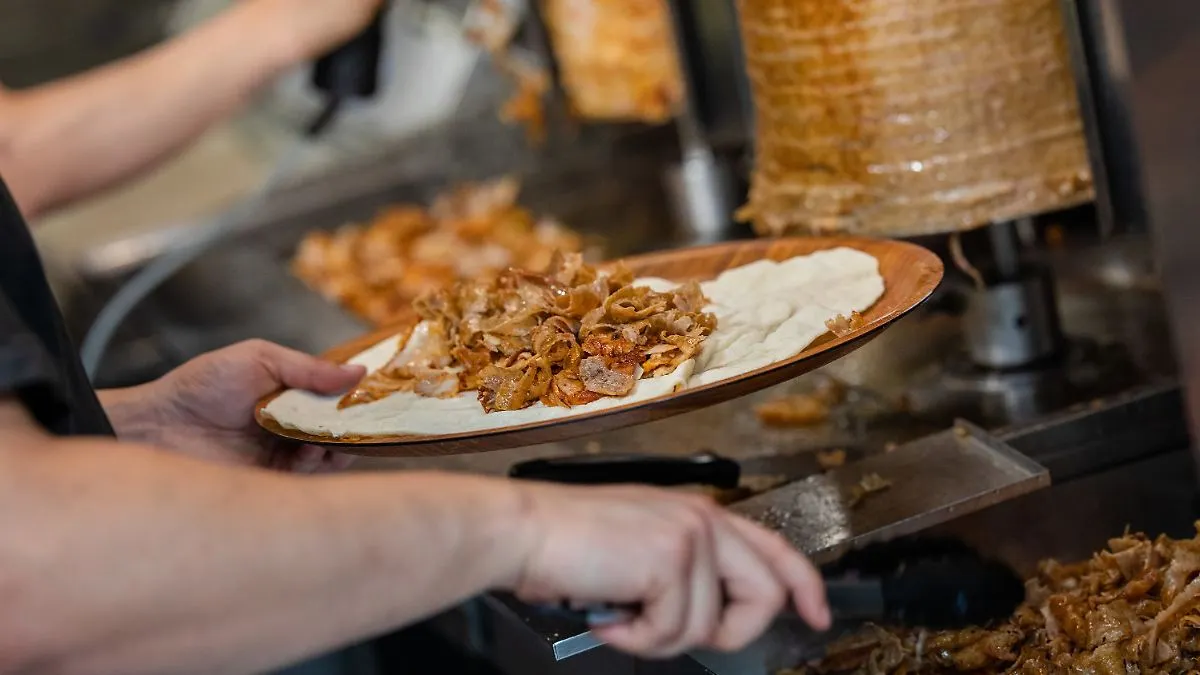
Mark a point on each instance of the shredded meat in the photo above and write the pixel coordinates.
(566, 336)
(795, 410)
(867, 485)
(377, 269)
(831, 459)
(803, 409)
(493, 28)
(1132, 609)
(840, 326)
(423, 368)
(617, 59)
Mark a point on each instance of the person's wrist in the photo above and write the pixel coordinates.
(133, 412)
(518, 517)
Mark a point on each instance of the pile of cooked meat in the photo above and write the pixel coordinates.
(376, 270)
(566, 336)
(905, 117)
(617, 59)
(1134, 608)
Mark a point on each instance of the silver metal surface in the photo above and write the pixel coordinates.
(573, 645)
(1162, 47)
(933, 480)
(1013, 322)
(718, 109)
(1090, 437)
(1084, 371)
(701, 190)
(1100, 62)
(702, 186)
(1006, 246)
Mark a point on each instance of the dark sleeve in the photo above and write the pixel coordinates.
(27, 370)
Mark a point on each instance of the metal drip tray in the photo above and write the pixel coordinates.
(932, 480)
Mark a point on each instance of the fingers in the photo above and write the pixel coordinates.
(337, 461)
(290, 368)
(686, 611)
(721, 583)
(305, 459)
(311, 459)
(754, 595)
(707, 596)
(801, 580)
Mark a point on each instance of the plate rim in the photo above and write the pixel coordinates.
(934, 272)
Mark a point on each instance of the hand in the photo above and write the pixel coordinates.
(704, 577)
(316, 27)
(205, 408)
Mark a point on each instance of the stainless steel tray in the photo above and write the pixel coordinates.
(933, 479)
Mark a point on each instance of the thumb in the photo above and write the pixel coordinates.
(290, 368)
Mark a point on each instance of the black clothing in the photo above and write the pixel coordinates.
(39, 363)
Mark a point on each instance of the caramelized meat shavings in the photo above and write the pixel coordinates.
(493, 27)
(377, 269)
(831, 459)
(795, 410)
(421, 365)
(1131, 609)
(566, 336)
(840, 326)
(803, 410)
(867, 485)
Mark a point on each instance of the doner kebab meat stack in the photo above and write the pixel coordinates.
(905, 117)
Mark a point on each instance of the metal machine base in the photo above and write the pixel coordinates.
(1082, 371)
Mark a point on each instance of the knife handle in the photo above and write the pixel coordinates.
(660, 470)
(601, 614)
(849, 600)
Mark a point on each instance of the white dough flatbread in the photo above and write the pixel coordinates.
(766, 312)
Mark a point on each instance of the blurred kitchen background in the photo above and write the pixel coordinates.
(43, 40)
(434, 123)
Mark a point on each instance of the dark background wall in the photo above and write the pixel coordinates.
(45, 39)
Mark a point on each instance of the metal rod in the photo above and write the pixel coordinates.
(687, 122)
(1006, 249)
(1081, 43)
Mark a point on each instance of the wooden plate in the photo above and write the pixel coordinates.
(910, 275)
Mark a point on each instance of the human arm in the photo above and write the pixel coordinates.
(68, 139)
(123, 558)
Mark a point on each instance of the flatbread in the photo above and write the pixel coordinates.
(766, 312)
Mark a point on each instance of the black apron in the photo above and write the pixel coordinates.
(39, 363)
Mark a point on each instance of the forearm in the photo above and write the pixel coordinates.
(68, 139)
(125, 559)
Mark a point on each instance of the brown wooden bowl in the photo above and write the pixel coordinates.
(910, 274)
